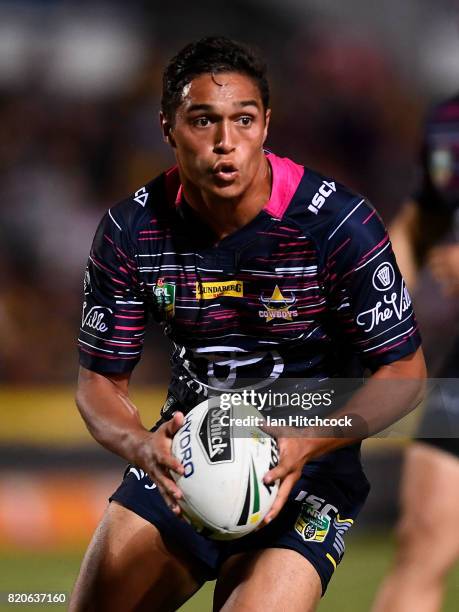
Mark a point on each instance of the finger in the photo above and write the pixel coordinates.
(271, 430)
(279, 472)
(281, 498)
(283, 467)
(167, 461)
(163, 480)
(173, 425)
(168, 496)
(163, 455)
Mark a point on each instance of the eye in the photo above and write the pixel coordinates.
(201, 122)
(245, 121)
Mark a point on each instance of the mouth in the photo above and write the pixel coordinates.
(225, 171)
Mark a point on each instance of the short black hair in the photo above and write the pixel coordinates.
(212, 54)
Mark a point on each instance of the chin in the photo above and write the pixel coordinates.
(228, 192)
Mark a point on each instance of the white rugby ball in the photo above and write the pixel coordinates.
(224, 496)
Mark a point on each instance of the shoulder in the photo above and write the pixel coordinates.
(141, 207)
(322, 206)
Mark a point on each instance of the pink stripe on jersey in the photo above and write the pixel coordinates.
(286, 178)
(380, 244)
(339, 248)
(373, 212)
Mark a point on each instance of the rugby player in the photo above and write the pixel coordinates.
(256, 268)
(427, 231)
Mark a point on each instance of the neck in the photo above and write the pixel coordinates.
(224, 216)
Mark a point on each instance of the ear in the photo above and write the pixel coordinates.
(267, 120)
(166, 128)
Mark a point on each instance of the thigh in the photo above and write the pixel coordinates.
(130, 566)
(273, 579)
(286, 561)
(429, 502)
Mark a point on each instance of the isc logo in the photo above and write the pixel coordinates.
(325, 190)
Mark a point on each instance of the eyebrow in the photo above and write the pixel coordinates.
(209, 107)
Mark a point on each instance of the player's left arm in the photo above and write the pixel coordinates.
(373, 316)
(391, 392)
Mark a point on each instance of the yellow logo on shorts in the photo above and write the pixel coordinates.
(311, 525)
(210, 291)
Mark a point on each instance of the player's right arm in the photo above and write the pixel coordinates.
(114, 421)
(114, 317)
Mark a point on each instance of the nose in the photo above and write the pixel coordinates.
(223, 138)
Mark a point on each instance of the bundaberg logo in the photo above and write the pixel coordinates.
(278, 306)
(212, 290)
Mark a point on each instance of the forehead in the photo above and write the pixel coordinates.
(220, 88)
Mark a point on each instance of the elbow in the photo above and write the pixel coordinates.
(79, 400)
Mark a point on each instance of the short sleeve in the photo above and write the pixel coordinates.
(114, 314)
(370, 304)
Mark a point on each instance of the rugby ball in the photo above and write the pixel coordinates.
(225, 455)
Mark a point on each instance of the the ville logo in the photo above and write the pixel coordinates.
(165, 297)
(215, 437)
(278, 306)
(392, 305)
(95, 318)
(324, 192)
(383, 277)
(210, 291)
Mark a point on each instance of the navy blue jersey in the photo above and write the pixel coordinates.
(307, 289)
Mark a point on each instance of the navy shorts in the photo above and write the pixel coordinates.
(315, 520)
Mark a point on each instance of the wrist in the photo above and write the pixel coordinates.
(320, 441)
(137, 444)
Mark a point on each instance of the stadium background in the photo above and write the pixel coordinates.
(79, 96)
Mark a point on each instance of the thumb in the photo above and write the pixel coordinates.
(175, 423)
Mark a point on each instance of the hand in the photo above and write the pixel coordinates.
(444, 264)
(156, 459)
(293, 453)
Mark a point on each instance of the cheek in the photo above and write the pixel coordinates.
(195, 165)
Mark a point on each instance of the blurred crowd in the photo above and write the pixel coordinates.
(79, 98)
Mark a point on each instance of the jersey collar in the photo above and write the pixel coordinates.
(286, 178)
